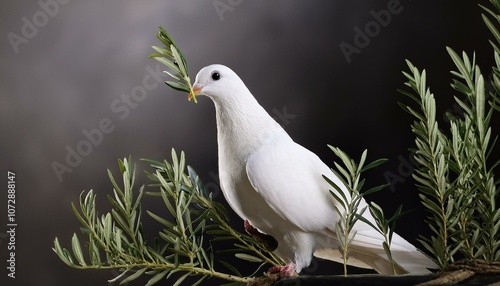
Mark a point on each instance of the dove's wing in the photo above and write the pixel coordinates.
(289, 178)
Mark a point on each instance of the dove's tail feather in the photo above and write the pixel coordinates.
(413, 262)
(366, 251)
(406, 262)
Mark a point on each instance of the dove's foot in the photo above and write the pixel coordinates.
(269, 242)
(284, 271)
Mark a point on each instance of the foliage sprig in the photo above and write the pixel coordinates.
(172, 57)
(353, 207)
(116, 240)
(455, 176)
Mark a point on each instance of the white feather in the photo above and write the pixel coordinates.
(277, 185)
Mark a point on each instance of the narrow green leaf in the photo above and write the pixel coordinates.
(162, 51)
(491, 27)
(134, 276)
(459, 64)
(362, 159)
(480, 106)
(179, 60)
(63, 255)
(181, 279)
(374, 164)
(118, 277)
(118, 238)
(155, 279)
(115, 185)
(168, 63)
(178, 86)
(161, 220)
(95, 256)
(77, 250)
(365, 220)
(199, 281)
(248, 257)
(231, 268)
(375, 189)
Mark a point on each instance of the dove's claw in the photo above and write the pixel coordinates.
(284, 271)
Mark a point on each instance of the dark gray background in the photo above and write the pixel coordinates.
(75, 67)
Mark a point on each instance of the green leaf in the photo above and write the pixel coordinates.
(199, 281)
(118, 239)
(168, 63)
(248, 257)
(62, 253)
(365, 220)
(155, 279)
(161, 220)
(374, 164)
(181, 279)
(491, 27)
(162, 51)
(155, 164)
(362, 159)
(377, 210)
(178, 86)
(77, 250)
(344, 172)
(118, 277)
(115, 185)
(179, 60)
(106, 223)
(134, 276)
(461, 66)
(375, 189)
(95, 256)
(231, 268)
(480, 105)
(343, 203)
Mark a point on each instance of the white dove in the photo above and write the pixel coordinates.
(277, 185)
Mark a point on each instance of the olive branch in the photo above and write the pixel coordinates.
(173, 58)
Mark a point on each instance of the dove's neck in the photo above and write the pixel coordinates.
(243, 126)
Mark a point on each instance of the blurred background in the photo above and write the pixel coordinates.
(326, 70)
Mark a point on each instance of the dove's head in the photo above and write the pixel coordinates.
(219, 83)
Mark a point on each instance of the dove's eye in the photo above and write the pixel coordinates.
(215, 76)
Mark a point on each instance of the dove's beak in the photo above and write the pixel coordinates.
(196, 90)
